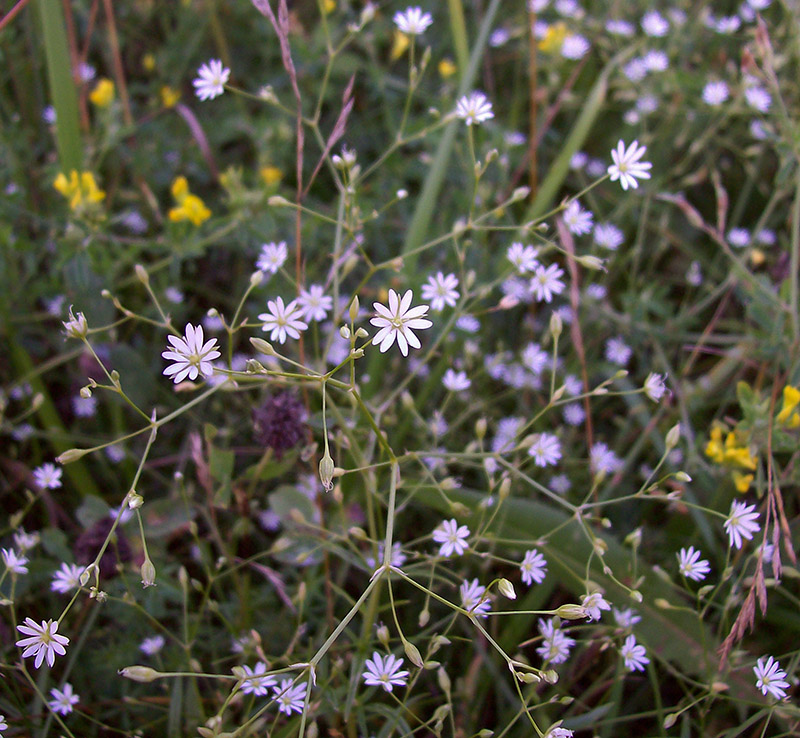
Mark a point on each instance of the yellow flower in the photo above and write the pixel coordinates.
(190, 207)
(553, 38)
(271, 175)
(80, 189)
(447, 68)
(399, 45)
(742, 482)
(739, 455)
(149, 62)
(103, 93)
(787, 416)
(169, 96)
(328, 6)
(714, 449)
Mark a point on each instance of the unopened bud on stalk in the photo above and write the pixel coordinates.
(71, 455)
(444, 680)
(505, 488)
(141, 274)
(326, 469)
(556, 324)
(480, 428)
(262, 346)
(414, 656)
(86, 393)
(278, 201)
(383, 634)
(353, 311)
(590, 262)
(256, 278)
(506, 589)
(139, 673)
(135, 500)
(673, 436)
(571, 612)
(520, 194)
(148, 572)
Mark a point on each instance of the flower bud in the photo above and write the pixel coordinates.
(556, 324)
(148, 572)
(520, 194)
(590, 262)
(278, 201)
(141, 274)
(139, 673)
(326, 469)
(135, 500)
(673, 436)
(506, 589)
(256, 278)
(71, 455)
(383, 634)
(571, 612)
(262, 346)
(444, 680)
(413, 654)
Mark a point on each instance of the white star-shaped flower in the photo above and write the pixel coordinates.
(191, 356)
(626, 167)
(211, 79)
(398, 322)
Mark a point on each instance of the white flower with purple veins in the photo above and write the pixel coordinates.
(152, 645)
(770, 677)
(314, 303)
(574, 46)
(452, 537)
(441, 290)
(535, 358)
(474, 108)
(655, 61)
(385, 671)
(190, 356)
(691, 565)
(626, 618)
(63, 699)
(254, 680)
(603, 459)
(655, 24)
(67, 578)
(715, 93)
(412, 21)
(47, 476)
(654, 386)
(290, 699)
(211, 79)
(573, 413)
(42, 641)
(455, 381)
(633, 654)
(593, 604)
(577, 220)
(741, 523)
(398, 557)
(545, 450)
(617, 351)
(282, 320)
(473, 598)
(626, 167)
(272, 257)
(738, 237)
(556, 644)
(398, 322)
(14, 562)
(546, 282)
(533, 567)
(26, 541)
(522, 257)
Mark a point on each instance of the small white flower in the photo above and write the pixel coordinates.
(455, 381)
(63, 699)
(314, 303)
(741, 523)
(617, 351)
(282, 320)
(626, 167)
(635, 70)
(535, 358)
(211, 79)
(556, 644)
(255, 682)
(290, 699)
(151, 645)
(398, 322)
(545, 450)
(474, 108)
(654, 24)
(14, 562)
(577, 220)
(770, 677)
(655, 61)
(42, 641)
(26, 541)
(739, 237)
(654, 386)
(546, 282)
(384, 671)
(620, 27)
(440, 290)
(633, 654)
(574, 46)
(272, 257)
(573, 413)
(47, 476)
(3, 723)
(691, 565)
(190, 355)
(412, 21)
(66, 578)
(593, 603)
(715, 93)
(452, 537)
(533, 567)
(76, 326)
(473, 598)
(758, 98)
(398, 557)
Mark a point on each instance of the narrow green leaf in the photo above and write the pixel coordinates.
(62, 86)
